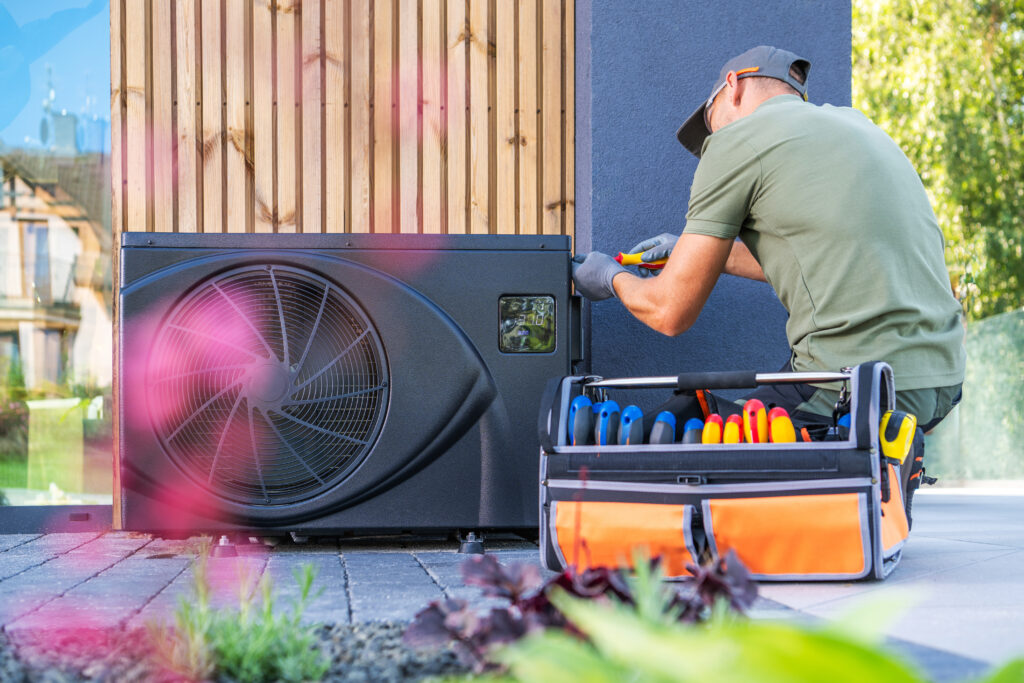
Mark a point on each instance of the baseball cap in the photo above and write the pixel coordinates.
(762, 60)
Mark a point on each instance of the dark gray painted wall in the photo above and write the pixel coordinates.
(642, 68)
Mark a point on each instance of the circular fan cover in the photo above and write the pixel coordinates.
(267, 384)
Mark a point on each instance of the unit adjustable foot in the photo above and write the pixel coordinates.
(224, 548)
(471, 543)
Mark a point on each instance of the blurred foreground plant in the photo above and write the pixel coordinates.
(251, 643)
(643, 593)
(621, 644)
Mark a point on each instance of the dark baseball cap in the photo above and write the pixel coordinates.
(762, 60)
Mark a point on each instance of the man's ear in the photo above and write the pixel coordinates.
(735, 87)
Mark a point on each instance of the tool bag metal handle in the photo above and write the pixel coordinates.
(743, 379)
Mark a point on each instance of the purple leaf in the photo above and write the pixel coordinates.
(498, 581)
(430, 626)
(504, 627)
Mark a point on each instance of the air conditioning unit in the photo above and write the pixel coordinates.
(321, 384)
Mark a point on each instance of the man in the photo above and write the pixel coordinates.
(827, 210)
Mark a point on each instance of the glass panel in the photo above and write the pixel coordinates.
(55, 262)
(526, 324)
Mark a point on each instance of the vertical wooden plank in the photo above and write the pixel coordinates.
(408, 115)
(433, 116)
(335, 131)
(529, 197)
(287, 138)
(458, 45)
(117, 123)
(212, 135)
(505, 139)
(360, 118)
(116, 214)
(163, 131)
(264, 219)
(312, 154)
(135, 87)
(569, 153)
(383, 116)
(185, 76)
(551, 117)
(479, 180)
(235, 67)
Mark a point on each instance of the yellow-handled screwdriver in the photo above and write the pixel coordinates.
(896, 432)
(637, 260)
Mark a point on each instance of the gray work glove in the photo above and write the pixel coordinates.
(654, 249)
(593, 276)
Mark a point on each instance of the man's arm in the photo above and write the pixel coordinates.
(743, 264)
(671, 302)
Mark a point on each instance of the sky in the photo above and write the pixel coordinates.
(72, 37)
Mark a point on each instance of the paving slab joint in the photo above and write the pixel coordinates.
(70, 588)
(134, 613)
(348, 588)
(433, 577)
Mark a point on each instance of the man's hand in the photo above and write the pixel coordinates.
(654, 249)
(593, 276)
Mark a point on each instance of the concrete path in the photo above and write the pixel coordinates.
(963, 567)
(962, 570)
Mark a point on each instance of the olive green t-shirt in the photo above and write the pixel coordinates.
(843, 229)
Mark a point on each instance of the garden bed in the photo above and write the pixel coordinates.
(364, 652)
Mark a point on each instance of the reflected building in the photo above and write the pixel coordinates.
(55, 287)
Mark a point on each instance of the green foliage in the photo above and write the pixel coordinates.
(945, 79)
(626, 646)
(250, 644)
(13, 388)
(1013, 672)
(984, 437)
(634, 643)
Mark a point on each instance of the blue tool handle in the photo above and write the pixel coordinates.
(631, 427)
(693, 430)
(581, 421)
(606, 427)
(664, 429)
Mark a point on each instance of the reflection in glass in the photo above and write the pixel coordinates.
(55, 261)
(526, 324)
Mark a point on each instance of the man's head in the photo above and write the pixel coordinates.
(744, 83)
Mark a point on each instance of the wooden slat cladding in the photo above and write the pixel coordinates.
(388, 116)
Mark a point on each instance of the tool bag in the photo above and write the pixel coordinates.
(819, 510)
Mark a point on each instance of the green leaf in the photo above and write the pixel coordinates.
(556, 656)
(729, 650)
(1012, 672)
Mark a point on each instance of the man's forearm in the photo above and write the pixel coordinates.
(671, 302)
(650, 303)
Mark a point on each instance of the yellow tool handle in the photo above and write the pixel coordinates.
(896, 432)
(637, 260)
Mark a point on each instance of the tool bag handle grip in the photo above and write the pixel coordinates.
(737, 379)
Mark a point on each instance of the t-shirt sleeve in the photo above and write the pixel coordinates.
(724, 186)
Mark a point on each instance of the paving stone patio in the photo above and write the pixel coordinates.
(964, 560)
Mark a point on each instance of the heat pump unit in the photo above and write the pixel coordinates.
(321, 384)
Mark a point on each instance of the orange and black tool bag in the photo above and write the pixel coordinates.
(805, 511)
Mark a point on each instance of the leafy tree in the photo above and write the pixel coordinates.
(945, 78)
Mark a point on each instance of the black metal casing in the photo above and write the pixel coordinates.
(453, 442)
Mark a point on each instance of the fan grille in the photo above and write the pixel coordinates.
(267, 384)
